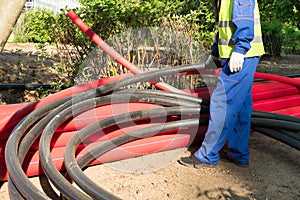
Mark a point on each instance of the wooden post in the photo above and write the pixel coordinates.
(10, 11)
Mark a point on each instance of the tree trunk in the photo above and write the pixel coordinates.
(10, 11)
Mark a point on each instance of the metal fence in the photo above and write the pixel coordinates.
(29, 5)
(51, 4)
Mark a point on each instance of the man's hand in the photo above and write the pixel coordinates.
(236, 62)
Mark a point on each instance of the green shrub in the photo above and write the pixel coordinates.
(201, 17)
(19, 32)
(35, 26)
(109, 17)
(281, 24)
(291, 40)
(272, 37)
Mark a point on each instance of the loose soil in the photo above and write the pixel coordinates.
(274, 171)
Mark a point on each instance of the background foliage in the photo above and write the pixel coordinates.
(280, 24)
(35, 26)
(280, 19)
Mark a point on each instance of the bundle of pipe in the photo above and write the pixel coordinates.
(269, 92)
(45, 120)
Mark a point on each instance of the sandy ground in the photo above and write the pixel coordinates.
(274, 171)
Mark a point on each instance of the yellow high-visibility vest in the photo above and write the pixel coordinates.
(226, 29)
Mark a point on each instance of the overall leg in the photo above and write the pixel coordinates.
(238, 140)
(226, 103)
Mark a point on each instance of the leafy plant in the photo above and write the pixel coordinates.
(272, 37)
(291, 43)
(280, 24)
(36, 26)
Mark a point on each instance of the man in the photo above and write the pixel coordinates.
(238, 47)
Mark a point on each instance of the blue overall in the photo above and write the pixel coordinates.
(230, 115)
(231, 101)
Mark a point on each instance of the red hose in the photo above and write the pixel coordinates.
(114, 54)
(282, 79)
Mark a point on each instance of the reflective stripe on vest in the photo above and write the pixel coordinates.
(226, 29)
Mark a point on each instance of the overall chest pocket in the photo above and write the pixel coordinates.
(244, 8)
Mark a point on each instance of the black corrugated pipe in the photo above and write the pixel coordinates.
(280, 136)
(283, 128)
(28, 86)
(25, 86)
